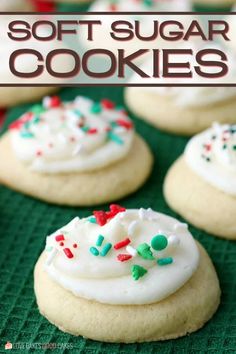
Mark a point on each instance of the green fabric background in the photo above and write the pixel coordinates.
(25, 222)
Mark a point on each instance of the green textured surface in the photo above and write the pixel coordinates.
(25, 222)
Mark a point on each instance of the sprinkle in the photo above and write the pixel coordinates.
(107, 104)
(85, 128)
(77, 150)
(96, 108)
(138, 272)
(112, 136)
(99, 240)
(159, 242)
(51, 256)
(37, 109)
(180, 226)
(101, 217)
(92, 219)
(49, 248)
(141, 213)
(61, 244)
(124, 123)
(123, 257)
(106, 249)
(132, 227)
(131, 250)
(122, 244)
(145, 252)
(116, 208)
(39, 153)
(94, 251)
(75, 245)
(52, 102)
(68, 253)
(173, 241)
(92, 131)
(165, 261)
(26, 134)
(59, 238)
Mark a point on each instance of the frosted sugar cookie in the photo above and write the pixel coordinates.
(183, 110)
(126, 276)
(201, 185)
(74, 153)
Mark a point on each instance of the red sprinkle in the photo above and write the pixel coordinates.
(72, 139)
(59, 238)
(113, 7)
(114, 210)
(75, 245)
(124, 123)
(107, 104)
(124, 257)
(208, 147)
(122, 244)
(19, 122)
(61, 244)
(55, 102)
(68, 253)
(101, 217)
(39, 153)
(92, 131)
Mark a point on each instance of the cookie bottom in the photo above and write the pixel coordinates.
(11, 96)
(198, 202)
(163, 113)
(181, 313)
(78, 189)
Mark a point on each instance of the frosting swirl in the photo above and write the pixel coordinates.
(212, 155)
(75, 136)
(128, 256)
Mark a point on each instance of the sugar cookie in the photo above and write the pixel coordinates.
(126, 276)
(201, 185)
(74, 153)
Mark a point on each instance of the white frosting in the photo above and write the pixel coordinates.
(212, 155)
(72, 138)
(107, 280)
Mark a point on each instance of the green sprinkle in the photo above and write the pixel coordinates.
(85, 128)
(92, 219)
(164, 261)
(115, 138)
(224, 146)
(78, 113)
(106, 249)
(37, 109)
(36, 120)
(49, 248)
(94, 251)
(99, 240)
(96, 108)
(113, 124)
(234, 147)
(159, 242)
(145, 252)
(148, 3)
(138, 272)
(26, 134)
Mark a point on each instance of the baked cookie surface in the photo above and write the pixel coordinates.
(200, 185)
(193, 291)
(83, 169)
(166, 113)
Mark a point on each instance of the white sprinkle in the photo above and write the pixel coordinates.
(180, 226)
(148, 214)
(141, 213)
(62, 138)
(120, 130)
(173, 241)
(217, 127)
(46, 102)
(132, 227)
(132, 251)
(77, 150)
(51, 257)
